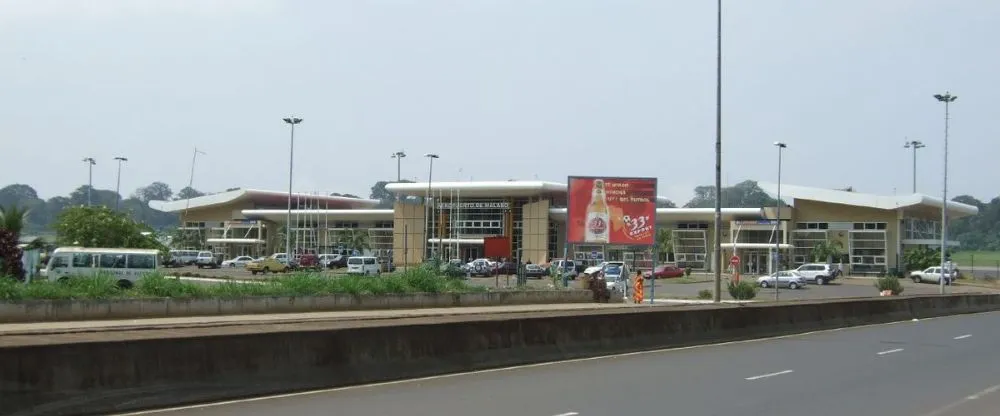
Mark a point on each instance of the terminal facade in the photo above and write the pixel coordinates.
(526, 221)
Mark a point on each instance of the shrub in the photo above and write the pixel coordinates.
(742, 290)
(704, 294)
(687, 272)
(889, 283)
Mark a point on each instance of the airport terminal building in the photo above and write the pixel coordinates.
(527, 220)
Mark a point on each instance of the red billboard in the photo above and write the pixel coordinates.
(611, 210)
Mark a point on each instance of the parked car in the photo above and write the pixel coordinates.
(563, 268)
(506, 268)
(664, 272)
(183, 257)
(785, 278)
(592, 270)
(616, 277)
(333, 261)
(239, 261)
(363, 265)
(818, 272)
(480, 267)
(931, 275)
(534, 270)
(266, 265)
(308, 262)
(206, 260)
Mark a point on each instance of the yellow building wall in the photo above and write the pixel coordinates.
(408, 240)
(535, 232)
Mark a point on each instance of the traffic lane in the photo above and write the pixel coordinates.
(778, 376)
(837, 289)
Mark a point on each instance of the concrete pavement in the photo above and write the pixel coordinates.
(935, 367)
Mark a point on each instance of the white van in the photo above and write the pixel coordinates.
(183, 257)
(126, 264)
(363, 265)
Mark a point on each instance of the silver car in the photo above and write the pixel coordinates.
(785, 278)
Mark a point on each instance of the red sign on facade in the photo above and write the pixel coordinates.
(619, 211)
(735, 260)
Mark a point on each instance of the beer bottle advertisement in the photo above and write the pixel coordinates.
(611, 210)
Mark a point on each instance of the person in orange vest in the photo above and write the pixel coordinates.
(637, 288)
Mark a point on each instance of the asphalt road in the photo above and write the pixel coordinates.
(935, 367)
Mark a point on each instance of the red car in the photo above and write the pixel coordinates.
(665, 272)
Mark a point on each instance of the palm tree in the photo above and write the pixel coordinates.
(664, 241)
(827, 250)
(12, 219)
(353, 240)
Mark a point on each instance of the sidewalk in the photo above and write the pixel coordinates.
(235, 320)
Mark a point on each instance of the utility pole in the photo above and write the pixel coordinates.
(777, 226)
(90, 177)
(717, 257)
(428, 211)
(914, 144)
(292, 121)
(947, 99)
(118, 183)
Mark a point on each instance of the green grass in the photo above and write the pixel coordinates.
(304, 284)
(977, 258)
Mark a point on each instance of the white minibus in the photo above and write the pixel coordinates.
(363, 265)
(125, 264)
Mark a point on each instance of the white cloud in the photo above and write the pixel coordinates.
(117, 9)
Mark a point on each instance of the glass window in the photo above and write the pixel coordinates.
(58, 261)
(83, 260)
(112, 261)
(369, 261)
(141, 261)
(824, 225)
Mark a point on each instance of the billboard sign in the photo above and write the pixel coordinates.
(611, 210)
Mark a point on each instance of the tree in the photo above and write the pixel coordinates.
(156, 191)
(97, 196)
(385, 198)
(826, 251)
(187, 239)
(921, 257)
(745, 194)
(353, 240)
(666, 204)
(99, 226)
(12, 220)
(188, 193)
(664, 241)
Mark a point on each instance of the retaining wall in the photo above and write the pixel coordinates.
(89, 310)
(127, 374)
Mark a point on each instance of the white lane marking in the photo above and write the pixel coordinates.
(890, 351)
(963, 336)
(951, 406)
(568, 414)
(521, 367)
(768, 375)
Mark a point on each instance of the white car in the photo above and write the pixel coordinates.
(616, 277)
(785, 278)
(820, 273)
(240, 261)
(930, 275)
(592, 270)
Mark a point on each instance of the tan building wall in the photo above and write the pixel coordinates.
(813, 211)
(535, 232)
(216, 214)
(408, 240)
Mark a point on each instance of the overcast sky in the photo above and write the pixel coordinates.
(501, 89)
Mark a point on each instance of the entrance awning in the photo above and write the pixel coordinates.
(473, 241)
(756, 245)
(234, 241)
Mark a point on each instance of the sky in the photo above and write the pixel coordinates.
(500, 89)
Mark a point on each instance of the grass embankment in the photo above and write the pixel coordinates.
(977, 258)
(158, 286)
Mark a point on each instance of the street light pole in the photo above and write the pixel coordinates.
(291, 121)
(427, 210)
(90, 176)
(777, 226)
(914, 144)
(947, 99)
(399, 158)
(717, 258)
(118, 184)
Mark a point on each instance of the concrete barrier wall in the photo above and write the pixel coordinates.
(105, 377)
(88, 310)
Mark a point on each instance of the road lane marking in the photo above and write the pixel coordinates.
(768, 375)
(963, 336)
(568, 414)
(522, 367)
(890, 351)
(975, 396)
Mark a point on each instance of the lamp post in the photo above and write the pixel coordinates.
(914, 144)
(90, 176)
(777, 225)
(947, 99)
(717, 258)
(291, 121)
(118, 182)
(399, 158)
(427, 211)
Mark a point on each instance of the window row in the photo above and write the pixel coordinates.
(106, 261)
